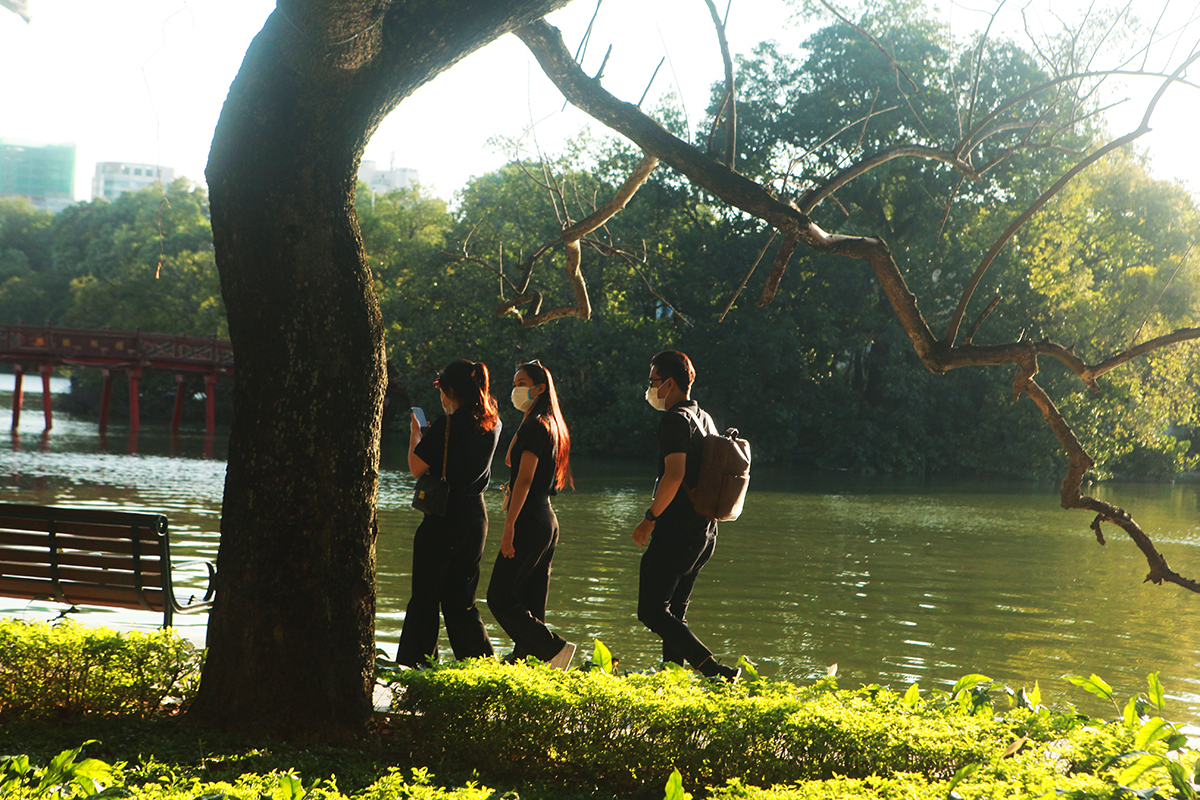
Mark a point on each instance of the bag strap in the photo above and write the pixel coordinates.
(446, 447)
(699, 421)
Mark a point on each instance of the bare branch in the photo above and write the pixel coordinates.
(569, 238)
(746, 279)
(1150, 310)
(1142, 129)
(878, 46)
(1079, 462)
(730, 89)
(981, 319)
(786, 248)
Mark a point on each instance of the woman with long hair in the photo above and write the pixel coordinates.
(538, 460)
(447, 549)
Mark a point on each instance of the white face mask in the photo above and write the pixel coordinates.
(656, 402)
(522, 398)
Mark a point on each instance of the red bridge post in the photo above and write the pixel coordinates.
(18, 395)
(135, 422)
(180, 393)
(47, 404)
(210, 402)
(105, 399)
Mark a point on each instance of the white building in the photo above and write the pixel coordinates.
(383, 181)
(114, 178)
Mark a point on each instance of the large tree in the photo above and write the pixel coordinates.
(291, 637)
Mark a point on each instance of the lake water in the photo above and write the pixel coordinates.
(894, 581)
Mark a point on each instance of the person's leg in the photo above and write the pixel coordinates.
(515, 580)
(535, 592)
(464, 625)
(669, 560)
(431, 557)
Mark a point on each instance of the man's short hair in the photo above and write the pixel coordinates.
(674, 364)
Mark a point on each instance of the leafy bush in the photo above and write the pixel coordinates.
(628, 734)
(62, 669)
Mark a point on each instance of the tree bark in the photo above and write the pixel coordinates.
(291, 636)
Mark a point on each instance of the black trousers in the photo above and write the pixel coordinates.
(520, 586)
(669, 569)
(446, 555)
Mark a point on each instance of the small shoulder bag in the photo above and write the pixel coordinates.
(432, 493)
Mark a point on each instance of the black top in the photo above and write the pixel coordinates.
(470, 456)
(678, 432)
(532, 436)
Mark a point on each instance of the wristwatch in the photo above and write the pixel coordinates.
(650, 515)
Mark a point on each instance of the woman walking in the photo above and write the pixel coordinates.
(538, 459)
(447, 549)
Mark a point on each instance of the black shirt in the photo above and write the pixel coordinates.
(678, 432)
(470, 454)
(533, 437)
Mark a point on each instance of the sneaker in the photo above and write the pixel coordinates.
(563, 659)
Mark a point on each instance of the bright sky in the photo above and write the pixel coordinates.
(144, 80)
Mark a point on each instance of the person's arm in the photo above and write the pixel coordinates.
(516, 499)
(415, 464)
(664, 493)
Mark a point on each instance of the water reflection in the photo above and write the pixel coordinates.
(895, 581)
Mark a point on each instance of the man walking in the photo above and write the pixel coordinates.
(680, 540)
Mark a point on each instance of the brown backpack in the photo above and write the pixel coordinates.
(724, 476)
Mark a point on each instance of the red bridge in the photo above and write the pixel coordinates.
(28, 347)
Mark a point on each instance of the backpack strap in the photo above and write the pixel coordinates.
(696, 418)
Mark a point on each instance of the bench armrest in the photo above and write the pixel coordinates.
(203, 605)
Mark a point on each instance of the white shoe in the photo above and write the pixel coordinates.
(563, 659)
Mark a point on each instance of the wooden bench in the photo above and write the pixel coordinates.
(90, 557)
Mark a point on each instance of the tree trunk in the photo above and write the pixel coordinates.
(291, 636)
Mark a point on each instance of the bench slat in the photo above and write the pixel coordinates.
(151, 565)
(78, 528)
(31, 589)
(98, 577)
(42, 540)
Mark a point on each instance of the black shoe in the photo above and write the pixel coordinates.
(715, 669)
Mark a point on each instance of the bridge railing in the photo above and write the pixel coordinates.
(115, 349)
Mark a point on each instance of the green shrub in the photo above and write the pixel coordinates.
(62, 669)
(627, 734)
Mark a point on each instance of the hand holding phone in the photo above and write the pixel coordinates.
(419, 416)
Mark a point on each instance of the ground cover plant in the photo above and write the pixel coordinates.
(489, 730)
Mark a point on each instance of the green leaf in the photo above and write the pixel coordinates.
(960, 775)
(1154, 729)
(602, 657)
(1138, 768)
(1156, 691)
(290, 788)
(1035, 697)
(1095, 684)
(749, 668)
(1180, 779)
(912, 696)
(1131, 713)
(675, 787)
(968, 682)
(832, 671)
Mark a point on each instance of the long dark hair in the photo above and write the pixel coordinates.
(549, 414)
(467, 382)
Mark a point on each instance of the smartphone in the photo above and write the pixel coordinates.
(420, 415)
